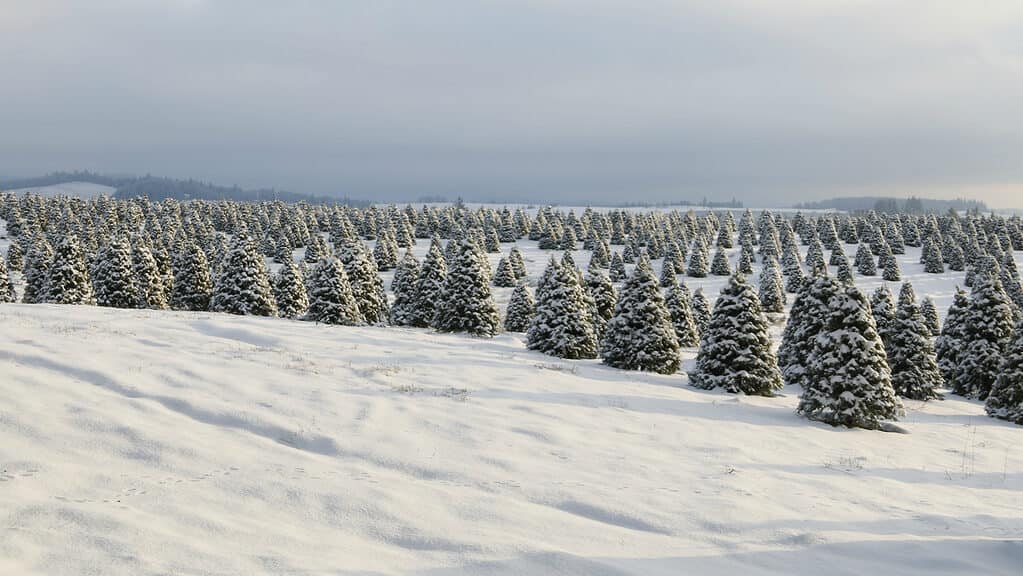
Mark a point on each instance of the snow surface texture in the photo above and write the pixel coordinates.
(145, 442)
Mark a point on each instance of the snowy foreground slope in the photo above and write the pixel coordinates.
(143, 442)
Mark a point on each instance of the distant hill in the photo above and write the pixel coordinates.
(890, 204)
(158, 188)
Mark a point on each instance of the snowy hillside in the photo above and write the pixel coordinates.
(78, 189)
(145, 442)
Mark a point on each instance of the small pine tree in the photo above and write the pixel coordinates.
(616, 270)
(521, 307)
(290, 291)
(987, 332)
(735, 350)
(67, 281)
(6, 285)
(806, 320)
(113, 280)
(331, 299)
(1006, 398)
(865, 261)
(910, 353)
(517, 262)
(882, 306)
(404, 287)
(680, 308)
(193, 285)
(949, 344)
(505, 275)
(930, 313)
(701, 310)
(243, 285)
(848, 380)
(890, 266)
(640, 335)
(772, 293)
(603, 297)
(365, 282)
(720, 265)
(698, 259)
(429, 287)
(466, 304)
(561, 325)
(149, 285)
(37, 266)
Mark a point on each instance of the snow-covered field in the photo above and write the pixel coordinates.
(79, 189)
(145, 442)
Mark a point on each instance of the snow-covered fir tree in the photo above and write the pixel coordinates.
(1006, 398)
(466, 304)
(986, 334)
(403, 285)
(930, 313)
(882, 306)
(520, 311)
(67, 279)
(290, 291)
(602, 296)
(561, 324)
(193, 284)
(949, 343)
(701, 310)
(37, 265)
(698, 265)
(640, 335)
(150, 288)
(113, 280)
(518, 264)
(735, 351)
(771, 292)
(331, 299)
(429, 287)
(806, 320)
(243, 284)
(680, 308)
(616, 270)
(6, 284)
(910, 352)
(365, 282)
(932, 259)
(505, 277)
(720, 266)
(848, 380)
(865, 261)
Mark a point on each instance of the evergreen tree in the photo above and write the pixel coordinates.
(772, 293)
(698, 259)
(910, 352)
(948, 345)
(429, 287)
(701, 310)
(806, 320)
(331, 299)
(113, 280)
(735, 350)
(290, 291)
(466, 304)
(406, 277)
(517, 262)
(365, 282)
(561, 325)
(1006, 398)
(150, 289)
(243, 284)
(193, 285)
(668, 277)
(848, 379)
(603, 297)
(6, 285)
(986, 334)
(720, 265)
(67, 281)
(882, 305)
(933, 262)
(520, 309)
(865, 261)
(505, 276)
(616, 270)
(640, 335)
(890, 267)
(930, 314)
(37, 266)
(680, 308)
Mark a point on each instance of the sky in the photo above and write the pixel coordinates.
(770, 101)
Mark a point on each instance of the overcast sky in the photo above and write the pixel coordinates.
(770, 101)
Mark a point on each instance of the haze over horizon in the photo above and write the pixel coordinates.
(537, 100)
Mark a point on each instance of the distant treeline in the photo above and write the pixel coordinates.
(884, 204)
(703, 203)
(157, 188)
